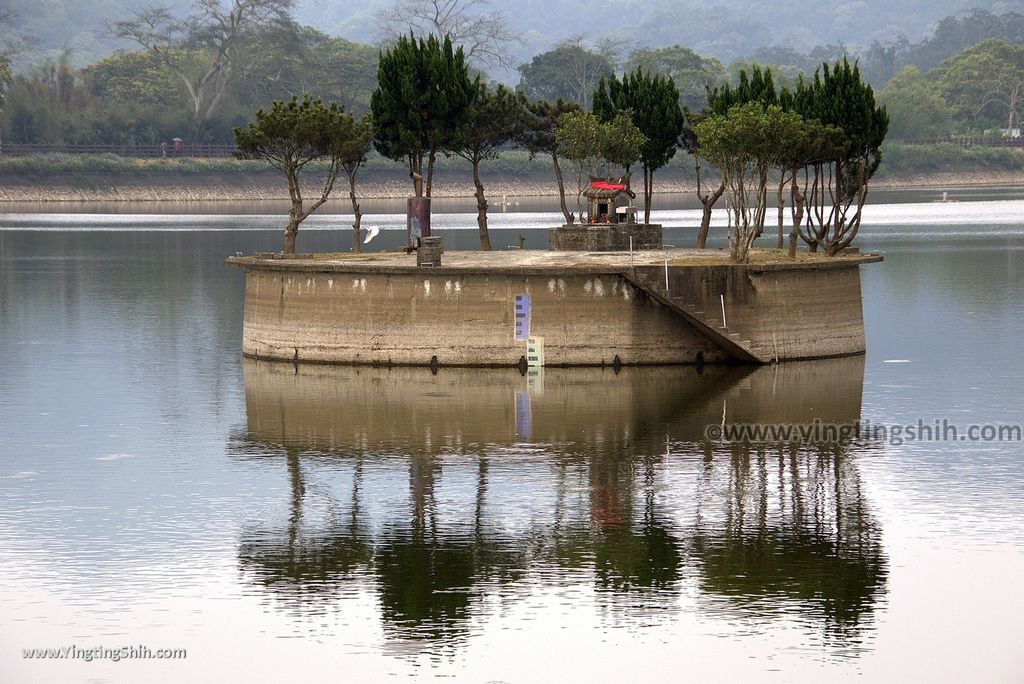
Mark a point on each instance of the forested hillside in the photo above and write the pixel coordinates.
(192, 74)
(716, 28)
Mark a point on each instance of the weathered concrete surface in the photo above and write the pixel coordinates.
(409, 318)
(795, 313)
(381, 309)
(605, 237)
(347, 410)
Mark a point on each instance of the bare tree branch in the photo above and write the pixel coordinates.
(484, 35)
(214, 29)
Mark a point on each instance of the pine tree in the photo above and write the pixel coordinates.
(539, 137)
(421, 103)
(291, 135)
(652, 103)
(495, 117)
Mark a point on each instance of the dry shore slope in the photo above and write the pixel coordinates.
(108, 187)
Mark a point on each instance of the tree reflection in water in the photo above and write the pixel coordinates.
(588, 477)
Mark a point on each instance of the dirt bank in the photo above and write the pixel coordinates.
(169, 186)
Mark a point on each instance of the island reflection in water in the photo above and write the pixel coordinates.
(446, 496)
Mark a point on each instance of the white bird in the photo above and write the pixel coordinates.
(370, 234)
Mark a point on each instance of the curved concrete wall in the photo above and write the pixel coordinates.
(464, 319)
(407, 316)
(788, 312)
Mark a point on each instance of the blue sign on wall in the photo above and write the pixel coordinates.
(522, 317)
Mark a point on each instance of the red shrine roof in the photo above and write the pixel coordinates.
(605, 185)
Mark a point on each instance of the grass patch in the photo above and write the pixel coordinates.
(899, 159)
(512, 162)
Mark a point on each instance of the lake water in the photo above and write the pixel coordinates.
(281, 523)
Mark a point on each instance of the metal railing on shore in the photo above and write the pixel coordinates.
(149, 151)
(967, 141)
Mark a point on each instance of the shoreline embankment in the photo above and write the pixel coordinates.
(89, 186)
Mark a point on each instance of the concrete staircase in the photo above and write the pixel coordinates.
(732, 342)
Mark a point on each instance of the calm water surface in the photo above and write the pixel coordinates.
(283, 523)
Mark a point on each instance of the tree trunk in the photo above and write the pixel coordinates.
(295, 213)
(782, 206)
(648, 193)
(430, 170)
(797, 208)
(416, 173)
(561, 188)
(705, 226)
(291, 232)
(481, 208)
(708, 202)
(357, 243)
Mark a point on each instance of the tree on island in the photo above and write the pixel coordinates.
(744, 144)
(495, 117)
(758, 87)
(591, 146)
(293, 134)
(542, 120)
(838, 98)
(421, 104)
(352, 154)
(212, 33)
(653, 106)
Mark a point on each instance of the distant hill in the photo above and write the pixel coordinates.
(727, 30)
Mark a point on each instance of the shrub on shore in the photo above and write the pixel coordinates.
(899, 159)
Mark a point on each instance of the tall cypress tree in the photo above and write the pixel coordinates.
(759, 86)
(839, 99)
(653, 106)
(421, 103)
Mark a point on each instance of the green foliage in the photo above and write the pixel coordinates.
(580, 138)
(744, 144)
(291, 135)
(44, 105)
(954, 34)
(353, 146)
(910, 160)
(495, 117)
(692, 74)
(585, 140)
(624, 142)
(983, 84)
(591, 145)
(284, 59)
(652, 103)
(839, 97)
(542, 120)
(759, 87)
(568, 72)
(422, 101)
(783, 75)
(915, 109)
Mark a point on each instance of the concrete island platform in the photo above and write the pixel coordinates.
(533, 307)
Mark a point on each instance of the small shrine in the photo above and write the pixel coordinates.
(609, 224)
(610, 200)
